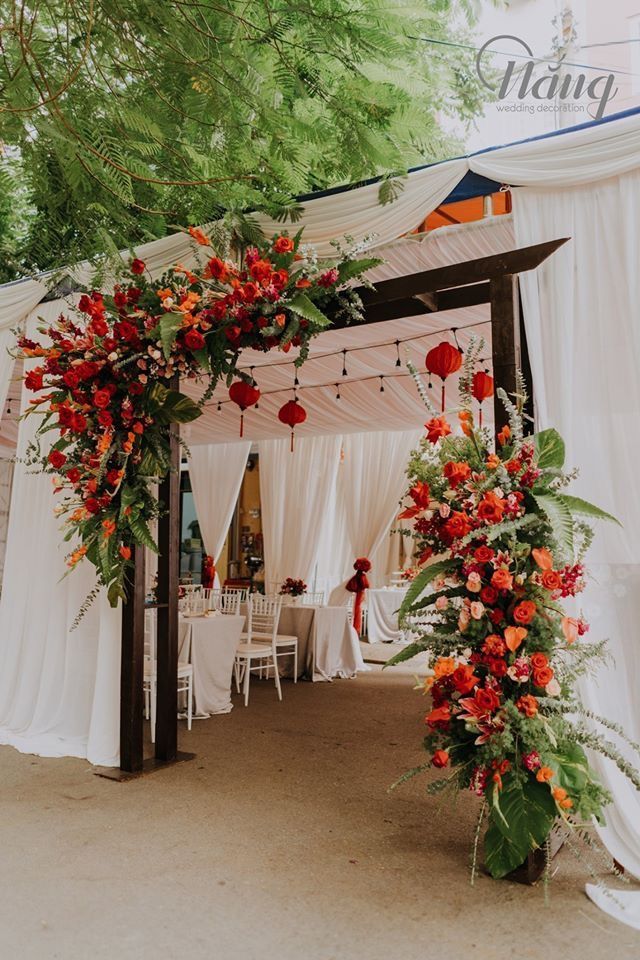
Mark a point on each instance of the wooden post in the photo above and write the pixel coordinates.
(166, 745)
(505, 339)
(132, 668)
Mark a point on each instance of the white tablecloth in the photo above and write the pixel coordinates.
(382, 614)
(214, 641)
(327, 645)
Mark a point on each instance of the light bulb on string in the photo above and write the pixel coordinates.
(338, 393)
(381, 384)
(398, 361)
(219, 406)
(344, 363)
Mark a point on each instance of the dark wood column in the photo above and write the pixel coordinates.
(132, 668)
(505, 339)
(166, 745)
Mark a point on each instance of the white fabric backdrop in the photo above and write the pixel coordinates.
(59, 691)
(581, 312)
(295, 492)
(216, 472)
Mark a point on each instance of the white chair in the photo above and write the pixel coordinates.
(184, 679)
(286, 644)
(257, 648)
(364, 625)
(313, 599)
(241, 592)
(227, 603)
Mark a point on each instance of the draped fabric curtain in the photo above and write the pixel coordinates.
(216, 472)
(371, 481)
(59, 689)
(581, 313)
(295, 493)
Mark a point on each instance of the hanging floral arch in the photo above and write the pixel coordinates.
(106, 379)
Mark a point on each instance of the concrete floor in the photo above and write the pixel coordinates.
(279, 841)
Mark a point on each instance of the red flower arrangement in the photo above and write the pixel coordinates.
(500, 543)
(109, 376)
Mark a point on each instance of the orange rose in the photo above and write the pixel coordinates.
(514, 637)
(502, 579)
(539, 660)
(551, 579)
(524, 612)
(457, 525)
(544, 774)
(493, 461)
(528, 705)
(283, 245)
(464, 679)
(543, 676)
(444, 667)
(456, 473)
(543, 558)
(437, 428)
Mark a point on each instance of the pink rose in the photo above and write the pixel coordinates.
(442, 603)
(444, 510)
(477, 610)
(474, 583)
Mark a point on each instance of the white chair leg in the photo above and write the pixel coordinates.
(146, 702)
(189, 702)
(276, 674)
(236, 671)
(247, 676)
(152, 685)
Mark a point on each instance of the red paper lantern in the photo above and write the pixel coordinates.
(442, 361)
(245, 395)
(292, 413)
(481, 388)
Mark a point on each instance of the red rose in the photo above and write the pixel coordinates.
(489, 595)
(439, 718)
(232, 334)
(496, 616)
(498, 667)
(217, 269)
(99, 326)
(133, 294)
(194, 340)
(487, 699)
(71, 379)
(464, 679)
(92, 505)
(120, 299)
(543, 676)
(483, 554)
(73, 475)
(437, 428)
(102, 398)
(33, 380)
(113, 477)
(440, 758)
(524, 612)
(279, 279)
(57, 459)
(502, 579)
(457, 525)
(105, 419)
(85, 304)
(78, 423)
(283, 245)
(250, 292)
(137, 266)
(125, 330)
(456, 473)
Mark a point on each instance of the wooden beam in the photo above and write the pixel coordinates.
(454, 299)
(505, 340)
(132, 667)
(460, 274)
(166, 743)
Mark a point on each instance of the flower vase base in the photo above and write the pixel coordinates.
(534, 866)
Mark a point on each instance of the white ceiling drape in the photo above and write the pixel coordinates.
(581, 312)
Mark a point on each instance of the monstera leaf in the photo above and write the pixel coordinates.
(521, 822)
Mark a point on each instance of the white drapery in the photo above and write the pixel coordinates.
(295, 493)
(216, 472)
(581, 313)
(58, 689)
(371, 481)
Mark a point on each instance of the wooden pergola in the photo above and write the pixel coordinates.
(492, 280)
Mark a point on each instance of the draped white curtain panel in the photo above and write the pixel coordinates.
(59, 689)
(581, 313)
(295, 494)
(216, 473)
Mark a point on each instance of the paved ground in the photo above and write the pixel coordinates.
(280, 841)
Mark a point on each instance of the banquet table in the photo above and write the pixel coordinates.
(382, 614)
(327, 644)
(214, 640)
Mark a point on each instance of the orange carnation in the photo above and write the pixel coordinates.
(528, 705)
(544, 774)
(444, 667)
